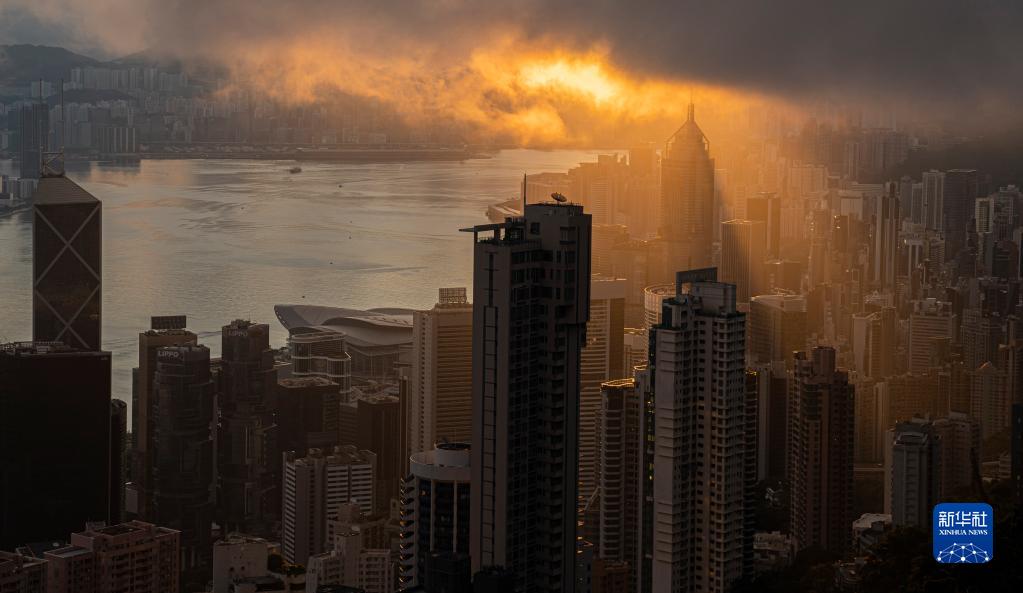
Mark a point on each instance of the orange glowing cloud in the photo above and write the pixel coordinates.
(531, 94)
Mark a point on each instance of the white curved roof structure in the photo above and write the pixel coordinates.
(374, 327)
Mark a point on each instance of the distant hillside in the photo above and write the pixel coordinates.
(21, 64)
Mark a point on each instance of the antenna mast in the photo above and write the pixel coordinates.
(523, 193)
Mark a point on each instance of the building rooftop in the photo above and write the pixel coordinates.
(68, 552)
(298, 382)
(373, 327)
(61, 190)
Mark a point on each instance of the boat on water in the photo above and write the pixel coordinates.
(498, 212)
(295, 170)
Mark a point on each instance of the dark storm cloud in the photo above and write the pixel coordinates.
(928, 48)
(934, 51)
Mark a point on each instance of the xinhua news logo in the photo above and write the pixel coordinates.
(964, 533)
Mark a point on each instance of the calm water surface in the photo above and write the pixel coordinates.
(218, 240)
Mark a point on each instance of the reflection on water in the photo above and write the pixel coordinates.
(224, 239)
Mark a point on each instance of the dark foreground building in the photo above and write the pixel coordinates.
(184, 393)
(55, 460)
(531, 297)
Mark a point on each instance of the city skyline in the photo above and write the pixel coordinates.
(534, 297)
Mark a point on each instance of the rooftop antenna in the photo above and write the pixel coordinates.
(523, 193)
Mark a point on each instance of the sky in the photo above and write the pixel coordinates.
(951, 57)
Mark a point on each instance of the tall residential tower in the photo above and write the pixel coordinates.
(531, 297)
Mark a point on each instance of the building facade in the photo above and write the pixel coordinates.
(820, 452)
(700, 451)
(67, 257)
(531, 296)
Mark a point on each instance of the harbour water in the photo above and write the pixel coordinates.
(218, 240)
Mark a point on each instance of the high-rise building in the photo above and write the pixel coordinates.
(314, 488)
(435, 512)
(248, 468)
(687, 198)
(820, 452)
(34, 137)
(55, 442)
(66, 264)
(885, 246)
(183, 484)
(308, 414)
(960, 190)
(378, 419)
(700, 451)
(620, 472)
(133, 556)
(142, 402)
(766, 208)
(653, 298)
(777, 326)
(934, 200)
(743, 251)
(531, 297)
(602, 360)
(915, 473)
(322, 354)
(118, 449)
(441, 380)
(959, 435)
(928, 319)
(873, 343)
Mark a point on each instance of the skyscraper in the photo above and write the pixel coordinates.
(960, 190)
(743, 251)
(183, 454)
(873, 343)
(885, 247)
(602, 360)
(248, 458)
(118, 458)
(934, 200)
(766, 208)
(928, 319)
(915, 472)
(308, 414)
(699, 465)
(435, 514)
(687, 198)
(959, 435)
(378, 418)
(66, 264)
(777, 325)
(620, 471)
(531, 297)
(314, 488)
(34, 136)
(441, 379)
(55, 439)
(143, 401)
(820, 452)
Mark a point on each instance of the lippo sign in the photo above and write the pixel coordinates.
(963, 533)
